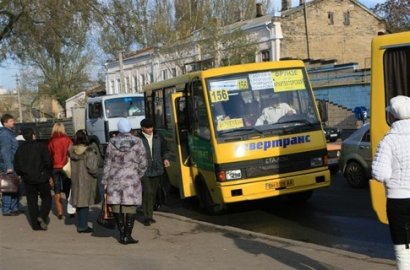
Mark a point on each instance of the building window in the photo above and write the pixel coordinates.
(142, 79)
(127, 85)
(330, 20)
(164, 74)
(173, 72)
(112, 86)
(191, 67)
(151, 77)
(265, 56)
(136, 83)
(118, 90)
(346, 18)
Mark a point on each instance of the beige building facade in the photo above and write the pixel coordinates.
(331, 29)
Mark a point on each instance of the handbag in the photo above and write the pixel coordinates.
(105, 218)
(71, 210)
(67, 168)
(9, 183)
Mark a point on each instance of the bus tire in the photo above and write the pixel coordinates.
(300, 197)
(205, 199)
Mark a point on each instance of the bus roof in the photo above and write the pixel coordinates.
(180, 81)
(112, 96)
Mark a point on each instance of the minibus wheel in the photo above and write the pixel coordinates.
(205, 199)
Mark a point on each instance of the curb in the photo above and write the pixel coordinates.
(290, 242)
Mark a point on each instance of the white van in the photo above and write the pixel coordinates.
(104, 112)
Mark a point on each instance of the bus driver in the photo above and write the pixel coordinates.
(274, 112)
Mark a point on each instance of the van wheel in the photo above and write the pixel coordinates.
(355, 175)
(300, 197)
(205, 199)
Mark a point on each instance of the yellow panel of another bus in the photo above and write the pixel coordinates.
(378, 121)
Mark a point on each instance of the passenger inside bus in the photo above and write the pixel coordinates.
(274, 111)
(133, 110)
(239, 106)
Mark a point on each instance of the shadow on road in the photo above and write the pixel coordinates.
(283, 255)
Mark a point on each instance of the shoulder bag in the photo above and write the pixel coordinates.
(9, 183)
(67, 168)
(105, 218)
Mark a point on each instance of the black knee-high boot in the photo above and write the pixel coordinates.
(119, 219)
(129, 225)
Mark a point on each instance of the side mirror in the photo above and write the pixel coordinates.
(321, 107)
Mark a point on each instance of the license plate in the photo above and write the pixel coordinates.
(333, 135)
(332, 161)
(280, 184)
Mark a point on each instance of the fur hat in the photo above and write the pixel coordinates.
(147, 123)
(400, 107)
(124, 126)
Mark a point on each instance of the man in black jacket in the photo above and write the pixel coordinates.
(157, 159)
(33, 163)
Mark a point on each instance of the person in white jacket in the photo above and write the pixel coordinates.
(391, 166)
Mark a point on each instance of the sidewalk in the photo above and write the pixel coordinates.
(174, 242)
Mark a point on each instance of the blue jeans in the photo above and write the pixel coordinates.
(82, 218)
(10, 202)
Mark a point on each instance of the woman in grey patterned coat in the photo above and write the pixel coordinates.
(125, 164)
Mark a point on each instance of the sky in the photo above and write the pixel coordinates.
(9, 69)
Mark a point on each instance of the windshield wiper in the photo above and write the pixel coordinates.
(298, 121)
(240, 131)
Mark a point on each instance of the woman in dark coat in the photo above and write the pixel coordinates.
(125, 164)
(84, 168)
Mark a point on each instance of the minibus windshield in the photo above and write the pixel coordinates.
(262, 101)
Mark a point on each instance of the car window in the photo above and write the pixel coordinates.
(366, 137)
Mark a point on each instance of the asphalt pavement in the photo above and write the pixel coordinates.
(174, 242)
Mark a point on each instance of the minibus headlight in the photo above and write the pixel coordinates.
(233, 174)
(316, 162)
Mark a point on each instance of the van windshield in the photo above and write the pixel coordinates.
(263, 101)
(124, 107)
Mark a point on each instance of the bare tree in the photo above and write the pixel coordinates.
(396, 13)
(121, 23)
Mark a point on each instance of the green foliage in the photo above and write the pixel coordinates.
(396, 13)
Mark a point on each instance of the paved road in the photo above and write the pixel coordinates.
(338, 216)
(174, 242)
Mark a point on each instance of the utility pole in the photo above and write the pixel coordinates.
(306, 29)
(18, 98)
(122, 80)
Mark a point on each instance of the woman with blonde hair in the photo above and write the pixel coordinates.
(58, 146)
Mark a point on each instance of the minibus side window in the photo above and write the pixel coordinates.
(396, 64)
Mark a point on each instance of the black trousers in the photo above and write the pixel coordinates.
(149, 194)
(398, 214)
(32, 193)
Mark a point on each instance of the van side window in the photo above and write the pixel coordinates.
(95, 110)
